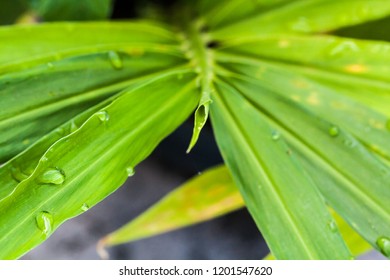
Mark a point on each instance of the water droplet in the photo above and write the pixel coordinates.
(349, 143)
(384, 245)
(44, 159)
(45, 222)
(275, 135)
(344, 47)
(130, 171)
(103, 116)
(52, 176)
(85, 207)
(334, 131)
(115, 60)
(332, 226)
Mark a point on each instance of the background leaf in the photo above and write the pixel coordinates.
(206, 196)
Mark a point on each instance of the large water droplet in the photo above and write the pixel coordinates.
(334, 131)
(384, 245)
(45, 222)
(103, 116)
(85, 207)
(52, 176)
(275, 135)
(115, 60)
(130, 171)
(332, 226)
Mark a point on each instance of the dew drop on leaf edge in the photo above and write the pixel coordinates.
(115, 60)
(130, 171)
(384, 245)
(85, 207)
(52, 176)
(45, 222)
(103, 116)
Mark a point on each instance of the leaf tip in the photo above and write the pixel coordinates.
(201, 116)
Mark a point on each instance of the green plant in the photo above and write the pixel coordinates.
(301, 117)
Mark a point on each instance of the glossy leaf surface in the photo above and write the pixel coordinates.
(280, 196)
(62, 185)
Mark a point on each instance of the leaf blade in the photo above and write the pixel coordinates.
(153, 122)
(306, 16)
(265, 193)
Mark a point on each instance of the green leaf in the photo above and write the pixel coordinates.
(38, 99)
(351, 57)
(204, 197)
(306, 16)
(355, 242)
(22, 166)
(232, 11)
(63, 10)
(84, 167)
(202, 61)
(29, 45)
(324, 84)
(353, 181)
(282, 199)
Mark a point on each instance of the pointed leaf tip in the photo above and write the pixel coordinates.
(201, 116)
